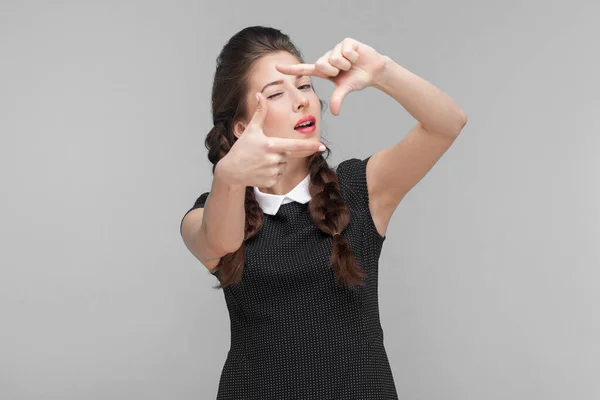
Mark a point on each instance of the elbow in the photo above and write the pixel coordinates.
(462, 120)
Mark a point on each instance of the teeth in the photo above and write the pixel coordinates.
(304, 124)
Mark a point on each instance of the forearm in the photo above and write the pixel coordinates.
(224, 214)
(434, 109)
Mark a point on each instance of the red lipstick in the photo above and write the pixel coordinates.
(310, 126)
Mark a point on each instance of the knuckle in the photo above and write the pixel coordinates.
(268, 144)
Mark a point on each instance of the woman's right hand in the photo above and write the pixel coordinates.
(258, 160)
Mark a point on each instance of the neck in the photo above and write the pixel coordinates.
(291, 177)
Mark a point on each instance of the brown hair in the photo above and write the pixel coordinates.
(326, 208)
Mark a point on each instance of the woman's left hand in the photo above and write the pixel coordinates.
(351, 66)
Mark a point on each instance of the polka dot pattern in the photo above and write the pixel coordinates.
(295, 333)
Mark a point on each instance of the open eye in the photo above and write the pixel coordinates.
(307, 86)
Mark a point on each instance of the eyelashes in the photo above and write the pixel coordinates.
(308, 86)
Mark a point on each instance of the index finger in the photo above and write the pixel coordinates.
(300, 69)
(278, 145)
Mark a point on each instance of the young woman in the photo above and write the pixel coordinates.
(294, 244)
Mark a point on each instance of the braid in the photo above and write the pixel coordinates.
(331, 215)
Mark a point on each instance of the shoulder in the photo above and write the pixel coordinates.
(358, 192)
(199, 203)
(352, 177)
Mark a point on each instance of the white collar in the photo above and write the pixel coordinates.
(270, 203)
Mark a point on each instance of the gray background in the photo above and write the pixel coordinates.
(489, 275)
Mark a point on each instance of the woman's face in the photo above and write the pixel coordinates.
(288, 101)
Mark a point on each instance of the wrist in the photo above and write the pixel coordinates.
(379, 78)
(223, 175)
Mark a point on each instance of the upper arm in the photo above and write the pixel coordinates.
(196, 242)
(394, 171)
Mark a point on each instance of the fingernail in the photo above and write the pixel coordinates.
(322, 148)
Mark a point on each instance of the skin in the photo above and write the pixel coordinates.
(292, 101)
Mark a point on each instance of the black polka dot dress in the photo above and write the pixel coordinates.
(295, 333)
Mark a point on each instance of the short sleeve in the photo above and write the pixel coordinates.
(352, 176)
(199, 203)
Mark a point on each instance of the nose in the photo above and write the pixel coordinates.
(302, 101)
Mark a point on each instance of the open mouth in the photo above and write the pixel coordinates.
(308, 124)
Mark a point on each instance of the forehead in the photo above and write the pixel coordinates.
(264, 70)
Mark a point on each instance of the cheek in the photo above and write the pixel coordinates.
(276, 123)
(270, 127)
(315, 100)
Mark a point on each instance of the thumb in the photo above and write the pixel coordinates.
(337, 97)
(261, 111)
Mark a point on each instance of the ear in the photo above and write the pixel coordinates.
(238, 128)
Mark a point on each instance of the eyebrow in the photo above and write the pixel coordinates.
(279, 82)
